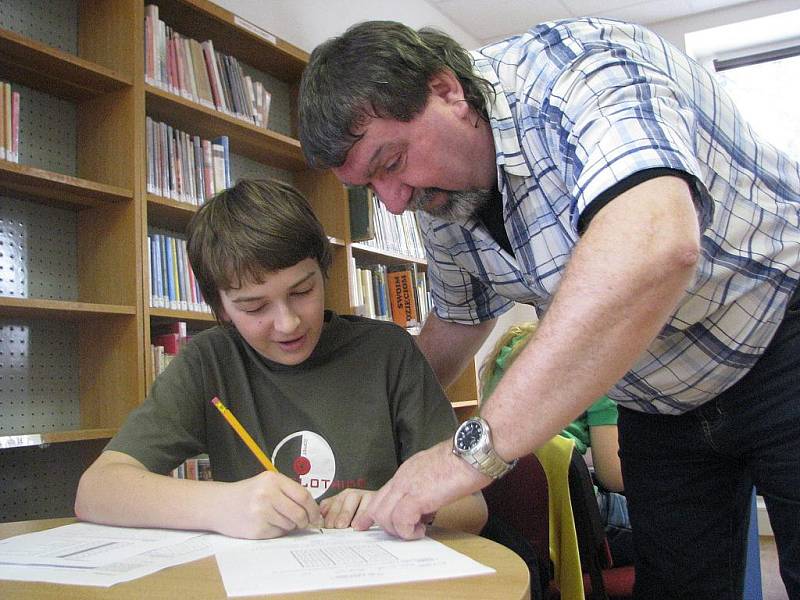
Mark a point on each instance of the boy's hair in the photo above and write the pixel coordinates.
(375, 69)
(505, 351)
(251, 229)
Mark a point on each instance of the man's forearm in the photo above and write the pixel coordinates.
(624, 280)
(449, 347)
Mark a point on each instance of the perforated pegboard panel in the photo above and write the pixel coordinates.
(47, 131)
(245, 168)
(39, 389)
(40, 482)
(38, 256)
(52, 22)
(280, 104)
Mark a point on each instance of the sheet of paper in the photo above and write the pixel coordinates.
(337, 559)
(99, 555)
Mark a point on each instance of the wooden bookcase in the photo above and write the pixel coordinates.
(104, 199)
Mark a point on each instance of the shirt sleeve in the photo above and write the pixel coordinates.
(169, 426)
(602, 412)
(615, 115)
(423, 416)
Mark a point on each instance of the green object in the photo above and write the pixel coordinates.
(361, 223)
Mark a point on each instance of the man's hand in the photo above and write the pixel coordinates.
(422, 485)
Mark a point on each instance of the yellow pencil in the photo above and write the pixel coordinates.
(237, 427)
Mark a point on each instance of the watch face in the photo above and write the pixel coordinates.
(469, 435)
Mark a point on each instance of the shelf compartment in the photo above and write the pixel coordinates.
(57, 188)
(54, 71)
(233, 35)
(8, 442)
(40, 308)
(384, 256)
(181, 315)
(167, 213)
(262, 145)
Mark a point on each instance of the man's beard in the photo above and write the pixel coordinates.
(459, 206)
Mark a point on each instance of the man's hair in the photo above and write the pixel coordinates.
(251, 229)
(375, 69)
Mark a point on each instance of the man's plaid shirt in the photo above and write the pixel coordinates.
(582, 105)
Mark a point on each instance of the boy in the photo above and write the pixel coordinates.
(289, 371)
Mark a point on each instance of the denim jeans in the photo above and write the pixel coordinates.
(688, 479)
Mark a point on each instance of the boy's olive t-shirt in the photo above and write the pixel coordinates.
(361, 404)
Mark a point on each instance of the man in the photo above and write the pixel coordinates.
(590, 169)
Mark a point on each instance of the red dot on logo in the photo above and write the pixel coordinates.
(301, 465)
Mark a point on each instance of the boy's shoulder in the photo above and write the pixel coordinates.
(367, 326)
(367, 333)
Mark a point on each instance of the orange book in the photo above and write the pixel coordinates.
(400, 288)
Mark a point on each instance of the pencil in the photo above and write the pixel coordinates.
(249, 442)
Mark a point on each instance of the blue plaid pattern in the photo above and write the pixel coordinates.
(581, 105)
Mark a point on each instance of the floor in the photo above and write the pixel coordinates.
(771, 584)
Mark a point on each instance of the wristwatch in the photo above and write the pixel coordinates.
(473, 443)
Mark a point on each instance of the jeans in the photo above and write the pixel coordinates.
(688, 479)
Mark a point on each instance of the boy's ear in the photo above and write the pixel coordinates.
(446, 86)
(223, 315)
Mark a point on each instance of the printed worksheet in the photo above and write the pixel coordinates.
(99, 555)
(337, 558)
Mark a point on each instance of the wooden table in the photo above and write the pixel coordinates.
(200, 580)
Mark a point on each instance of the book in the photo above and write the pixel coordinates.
(401, 288)
(361, 222)
(226, 158)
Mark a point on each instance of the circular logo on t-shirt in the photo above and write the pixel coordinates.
(309, 458)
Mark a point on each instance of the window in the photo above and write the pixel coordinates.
(766, 88)
(758, 63)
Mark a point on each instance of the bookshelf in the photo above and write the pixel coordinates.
(75, 314)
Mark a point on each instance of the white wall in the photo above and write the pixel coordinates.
(306, 23)
(675, 29)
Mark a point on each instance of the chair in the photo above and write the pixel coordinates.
(602, 580)
(519, 502)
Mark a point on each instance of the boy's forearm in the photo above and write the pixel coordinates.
(125, 495)
(466, 514)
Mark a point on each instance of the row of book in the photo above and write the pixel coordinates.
(185, 167)
(398, 234)
(166, 340)
(196, 71)
(9, 123)
(197, 469)
(172, 282)
(391, 292)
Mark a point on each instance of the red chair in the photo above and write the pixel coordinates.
(602, 580)
(519, 502)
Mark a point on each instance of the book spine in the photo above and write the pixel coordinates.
(15, 100)
(401, 297)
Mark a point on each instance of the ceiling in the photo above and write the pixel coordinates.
(488, 20)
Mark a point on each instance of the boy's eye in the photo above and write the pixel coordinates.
(255, 310)
(302, 292)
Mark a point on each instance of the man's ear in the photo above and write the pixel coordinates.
(446, 86)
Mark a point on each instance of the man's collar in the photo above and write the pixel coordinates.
(506, 142)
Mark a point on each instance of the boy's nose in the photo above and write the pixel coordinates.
(286, 320)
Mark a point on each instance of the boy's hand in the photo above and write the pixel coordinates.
(266, 506)
(340, 510)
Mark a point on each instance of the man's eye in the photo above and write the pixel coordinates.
(301, 292)
(255, 310)
(393, 165)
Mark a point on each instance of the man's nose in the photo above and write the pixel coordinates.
(394, 195)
